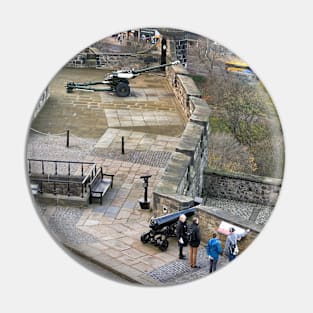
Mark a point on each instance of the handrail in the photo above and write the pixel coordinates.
(56, 181)
(60, 161)
(99, 171)
(56, 162)
(88, 174)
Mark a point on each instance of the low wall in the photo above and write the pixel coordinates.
(209, 217)
(41, 102)
(241, 187)
(113, 61)
(184, 171)
(184, 88)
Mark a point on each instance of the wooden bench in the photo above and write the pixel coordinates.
(99, 185)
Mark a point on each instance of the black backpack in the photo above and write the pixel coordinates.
(191, 235)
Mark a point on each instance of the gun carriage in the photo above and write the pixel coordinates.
(163, 227)
(117, 82)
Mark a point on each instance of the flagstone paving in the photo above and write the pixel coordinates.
(108, 234)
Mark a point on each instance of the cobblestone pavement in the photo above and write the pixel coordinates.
(179, 271)
(242, 209)
(63, 224)
(151, 158)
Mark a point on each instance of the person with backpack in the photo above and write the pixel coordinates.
(231, 246)
(214, 249)
(194, 242)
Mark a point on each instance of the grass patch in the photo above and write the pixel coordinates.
(218, 125)
(199, 79)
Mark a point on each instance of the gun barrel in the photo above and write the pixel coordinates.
(148, 69)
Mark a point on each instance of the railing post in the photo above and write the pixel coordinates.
(56, 168)
(69, 168)
(55, 189)
(67, 138)
(82, 169)
(42, 167)
(68, 189)
(123, 152)
(29, 167)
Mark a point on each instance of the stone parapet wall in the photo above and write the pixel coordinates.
(41, 102)
(184, 172)
(241, 187)
(184, 88)
(114, 61)
(209, 217)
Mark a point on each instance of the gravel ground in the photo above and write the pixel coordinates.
(54, 147)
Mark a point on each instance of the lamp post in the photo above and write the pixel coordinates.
(144, 202)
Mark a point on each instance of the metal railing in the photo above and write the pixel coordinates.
(53, 175)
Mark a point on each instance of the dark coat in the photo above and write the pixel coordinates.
(195, 237)
(181, 231)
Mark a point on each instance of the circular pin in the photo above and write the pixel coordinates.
(155, 156)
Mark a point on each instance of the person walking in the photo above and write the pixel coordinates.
(181, 233)
(194, 242)
(231, 248)
(214, 249)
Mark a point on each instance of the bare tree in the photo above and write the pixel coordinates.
(227, 154)
(245, 110)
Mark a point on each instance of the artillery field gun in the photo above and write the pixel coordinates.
(164, 227)
(116, 81)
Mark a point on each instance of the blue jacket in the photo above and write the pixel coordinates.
(214, 248)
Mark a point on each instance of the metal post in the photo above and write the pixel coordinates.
(67, 138)
(146, 191)
(163, 52)
(56, 168)
(123, 151)
(145, 203)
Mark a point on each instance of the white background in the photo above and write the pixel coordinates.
(274, 37)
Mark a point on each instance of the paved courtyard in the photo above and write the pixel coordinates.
(108, 235)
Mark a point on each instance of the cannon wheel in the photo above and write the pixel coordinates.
(163, 245)
(122, 89)
(145, 237)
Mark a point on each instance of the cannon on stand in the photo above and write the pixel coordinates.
(164, 227)
(117, 82)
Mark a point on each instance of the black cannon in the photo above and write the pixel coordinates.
(164, 227)
(116, 81)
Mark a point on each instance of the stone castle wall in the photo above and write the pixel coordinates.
(209, 217)
(241, 187)
(113, 61)
(184, 172)
(186, 178)
(41, 102)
